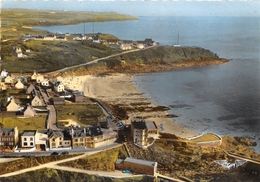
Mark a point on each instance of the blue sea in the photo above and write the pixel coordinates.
(224, 99)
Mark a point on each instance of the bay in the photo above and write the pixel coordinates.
(224, 99)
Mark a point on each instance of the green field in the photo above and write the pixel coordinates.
(83, 114)
(17, 22)
(34, 123)
(48, 56)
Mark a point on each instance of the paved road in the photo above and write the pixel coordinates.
(52, 118)
(53, 164)
(96, 60)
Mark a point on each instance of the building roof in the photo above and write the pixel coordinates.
(144, 124)
(140, 161)
(150, 125)
(51, 133)
(119, 161)
(7, 131)
(29, 133)
(139, 124)
(75, 133)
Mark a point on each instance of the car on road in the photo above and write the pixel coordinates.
(65, 152)
(126, 171)
(55, 153)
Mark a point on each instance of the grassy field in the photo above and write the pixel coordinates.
(35, 123)
(83, 114)
(103, 161)
(52, 55)
(16, 22)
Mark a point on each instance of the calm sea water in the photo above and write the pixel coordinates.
(224, 99)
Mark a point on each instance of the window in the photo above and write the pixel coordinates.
(81, 139)
(60, 143)
(31, 139)
(25, 144)
(24, 139)
(76, 140)
(31, 143)
(53, 139)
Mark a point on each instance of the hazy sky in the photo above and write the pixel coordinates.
(147, 7)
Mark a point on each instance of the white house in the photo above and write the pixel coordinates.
(59, 87)
(19, 84)
(45, 83)
(28, 139)
(4, 73)
(13, 105)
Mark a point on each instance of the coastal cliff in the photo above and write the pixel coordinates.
(155, 59)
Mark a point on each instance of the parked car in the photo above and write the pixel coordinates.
(65, 152)
(55, 153)
(126, 171)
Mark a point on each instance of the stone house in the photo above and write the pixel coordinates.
(94, 137)
(57, 139)
(137, 166)
(8, 138)
(141, 130)
(28, 139)
(78, 137)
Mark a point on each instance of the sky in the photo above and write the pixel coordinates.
(146, 7)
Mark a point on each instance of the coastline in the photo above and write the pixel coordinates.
(119, 89)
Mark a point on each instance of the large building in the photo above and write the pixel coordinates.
(8, 138)
(137, 166)
(142, 130)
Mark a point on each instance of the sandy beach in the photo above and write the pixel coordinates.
(119, 89)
